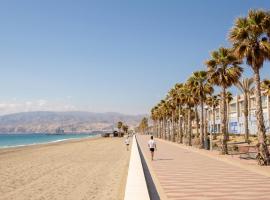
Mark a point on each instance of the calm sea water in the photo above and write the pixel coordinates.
(14, 140)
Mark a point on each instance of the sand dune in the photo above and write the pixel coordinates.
(77, 170)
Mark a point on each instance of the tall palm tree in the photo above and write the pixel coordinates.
(180, 101)
(265, 86)
(245, 86)
(197, 121)
(160, 119)
(154, 117)
(229, 98)
(201, 87)
(250, 37)
(173, 98)
(144, 125)
(125, 128)
(213, 102)
(223, 71)
(164, 111)
(190, 101)
(119, 126)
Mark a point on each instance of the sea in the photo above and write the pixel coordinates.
(17, 140)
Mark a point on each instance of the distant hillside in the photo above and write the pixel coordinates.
(40, 122)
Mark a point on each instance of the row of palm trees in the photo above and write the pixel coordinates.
(122, 127)
(173, 116)
(143, 126)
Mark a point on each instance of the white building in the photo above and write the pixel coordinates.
(236, 115)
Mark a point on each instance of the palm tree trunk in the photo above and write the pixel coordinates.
(246, 117)
(119, 132)
(158, 128)
(263, 150)
(224, 122)
(173, 127)
(170, 129)
(180, 127)
(164, 128)
(227, 121)
(197, 122)
(185, 129)
(205, 127)
(214, 124)
(189, 127)
(202, 125)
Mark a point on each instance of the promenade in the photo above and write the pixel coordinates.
(182, 173)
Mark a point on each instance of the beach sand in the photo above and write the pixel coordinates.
(72, 170)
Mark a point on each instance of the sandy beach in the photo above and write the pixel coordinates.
(73, 170)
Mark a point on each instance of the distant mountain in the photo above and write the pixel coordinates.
(40, 122)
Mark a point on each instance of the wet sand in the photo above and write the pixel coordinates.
(71, 170)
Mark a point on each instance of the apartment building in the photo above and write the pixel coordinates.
(236, 115)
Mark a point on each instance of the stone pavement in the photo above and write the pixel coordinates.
(185, 174)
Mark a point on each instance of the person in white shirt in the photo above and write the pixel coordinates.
(152, 147)
(127, 143)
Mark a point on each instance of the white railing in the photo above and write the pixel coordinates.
(136, 188)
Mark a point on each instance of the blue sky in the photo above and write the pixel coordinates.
(107, 56)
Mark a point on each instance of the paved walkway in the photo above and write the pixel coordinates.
(185, 174)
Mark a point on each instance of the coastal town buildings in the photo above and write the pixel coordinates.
(236, 115)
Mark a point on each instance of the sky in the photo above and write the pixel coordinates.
(107, 56)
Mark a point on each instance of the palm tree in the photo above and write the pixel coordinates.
(154, 118)
(229, 98)
(190, 101)
(163, 111)
(201, 87)
(180, 102)
(197, 121)
(144, 125)
(223, 71)
(173, 98)
(160, 120)
(125, 128)
(213, 102)
(119, 126)
(245, 86)
(265, 86)
(250, 37)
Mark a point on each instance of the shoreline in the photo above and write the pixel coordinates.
(50, 142)
(30, 147)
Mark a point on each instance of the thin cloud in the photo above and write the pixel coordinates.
(38, 105)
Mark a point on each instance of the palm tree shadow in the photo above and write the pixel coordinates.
(163, 159)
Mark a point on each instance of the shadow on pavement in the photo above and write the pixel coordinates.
(164, 159)
(153, 193)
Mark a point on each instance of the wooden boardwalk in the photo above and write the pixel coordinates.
(185, 174)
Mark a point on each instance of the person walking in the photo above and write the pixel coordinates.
(152, 147)
(127, 143)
